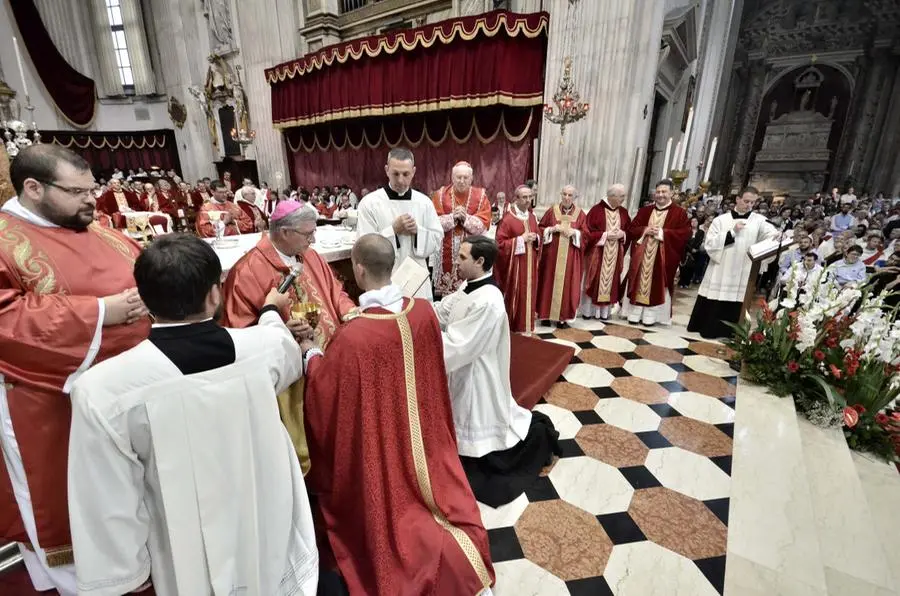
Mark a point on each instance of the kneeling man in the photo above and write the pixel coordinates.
(503, 446)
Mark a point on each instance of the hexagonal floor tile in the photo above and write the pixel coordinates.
(710, 366)
(706, 384)
(588, 324)
(602, 358)
(573, 335)
(696, 405)
(666, 340)
(629, 414)
(524, 578)
(571, 397)
(658, 354)
(505, 515)
(640, 390)
(647, 568)
(679, 523)
(612, 445)
(624, 331)
(565, 422)
(613, 343)
(591, 485)
(587, 375)
(567, 343)
(713, 350)
(690, 474)
(650, 370)
(563, 539)
(695, 436)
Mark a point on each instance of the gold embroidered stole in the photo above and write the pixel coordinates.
(610, 257)
(529, 261)
(562, 257)
(651, 248)
(121, 201)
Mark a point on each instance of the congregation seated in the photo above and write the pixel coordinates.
(232, 218)
(117, 200)
(245, 199)
(849, 269)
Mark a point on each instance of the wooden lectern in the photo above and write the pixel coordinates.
(758, 253)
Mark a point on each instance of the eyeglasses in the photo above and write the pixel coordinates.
(75, 192)
(306, 235)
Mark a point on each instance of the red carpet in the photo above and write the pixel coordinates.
(534, 366)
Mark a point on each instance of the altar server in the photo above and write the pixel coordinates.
(402, 215)
(503, 445)
(722, 291)
(179, 467)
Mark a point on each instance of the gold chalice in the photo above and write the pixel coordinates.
(306, 310)
(214, 216)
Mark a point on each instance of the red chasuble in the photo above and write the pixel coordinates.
(517, 275)
(240, 223)
(605, 256)
(50, 279)
(198, 198)
(654, 263)
(112, 203)
(478, 220)
(559, 288)
(399, 513)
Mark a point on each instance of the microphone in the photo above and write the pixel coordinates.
(289, 278)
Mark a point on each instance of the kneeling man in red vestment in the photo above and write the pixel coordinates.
(399, 513)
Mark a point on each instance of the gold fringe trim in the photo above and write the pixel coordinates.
(58, 557)
(511, 24)
(153, 142)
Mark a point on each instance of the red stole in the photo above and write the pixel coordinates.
(654, 263)
(476, 204)
(559, 288)
(240, 221)
(517, 275)
(606, 259)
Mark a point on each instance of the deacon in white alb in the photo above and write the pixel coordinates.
(502, 445)
(180, 469)
(402, 215)
(729, 237)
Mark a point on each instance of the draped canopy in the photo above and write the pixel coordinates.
(489, 59)
(123, 150)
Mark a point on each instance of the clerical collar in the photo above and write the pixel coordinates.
(485, 280)
(519, 214)
(16, 208)
(389, 297)
(285, 258)
(736, 215)
(179, 324)
(395, 196)
(658, 208)
(568, 209)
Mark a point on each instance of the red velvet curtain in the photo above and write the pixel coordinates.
(123, 150)
(489, 59)
(73, 94)
(497, 141)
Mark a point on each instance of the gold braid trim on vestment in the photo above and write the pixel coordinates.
(34, 268)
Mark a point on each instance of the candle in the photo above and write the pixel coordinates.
(21, 70)
(675, 157)
(666, 160)
(709, 161)
(852, 166)
(687, 138)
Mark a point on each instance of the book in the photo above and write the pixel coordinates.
(769, 247)
(410, 277)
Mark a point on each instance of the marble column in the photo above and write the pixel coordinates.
(749, 117)
(265, 28)
(614, 48)
(854, 162)
(525, 6)
(468, 8)
(885, 173)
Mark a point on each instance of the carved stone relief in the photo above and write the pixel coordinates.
(221, 29)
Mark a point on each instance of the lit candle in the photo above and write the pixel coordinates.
(709, 161)
(21, 69)
(677, 154)
(687, 138)
(666, 160)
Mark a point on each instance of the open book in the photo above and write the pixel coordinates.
(410, 276)
(770, 246)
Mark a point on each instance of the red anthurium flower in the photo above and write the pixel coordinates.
(757, 337)
(793, 366)
(860, 409)
(831, 342)
(881, 419)
(819, 355)
(851, 417)
(836, 372)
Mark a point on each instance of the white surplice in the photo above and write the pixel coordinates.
(475, 330)
(376, 214)
(728, 272)
(190, 478)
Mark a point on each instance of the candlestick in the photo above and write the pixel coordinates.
(675, 158)
(665, 169)
(687, 138)
(709, 161)
(852, 166)
(21, 70)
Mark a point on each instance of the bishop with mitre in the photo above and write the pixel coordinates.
(606, 246)
(658, 235)
(283, 250)
(67, 300)
(235, 220)
(464, 210)
(559, 286)
(517, 263)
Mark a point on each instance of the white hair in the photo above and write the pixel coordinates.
(463, 166)
(305, 213)
(616, 190)
(572, 186)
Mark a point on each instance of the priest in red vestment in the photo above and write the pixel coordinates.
(200, 195)
(245, 200)
(116, 201)
(235, 220)
(517, 264)
(464, 210)
(67, 300)
(287, 247)
(399, 514)
(658, 235)
(559, 284)
(605, 249)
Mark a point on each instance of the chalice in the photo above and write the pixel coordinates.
(306, 310)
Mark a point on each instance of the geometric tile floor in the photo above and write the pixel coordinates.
(638, 502)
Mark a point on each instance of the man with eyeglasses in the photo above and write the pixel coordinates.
(235, 220)
(67, 300)
(287, 247)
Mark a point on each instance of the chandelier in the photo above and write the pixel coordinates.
(243, 137)
(567, 106)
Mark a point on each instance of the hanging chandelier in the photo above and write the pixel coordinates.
(567, 106)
